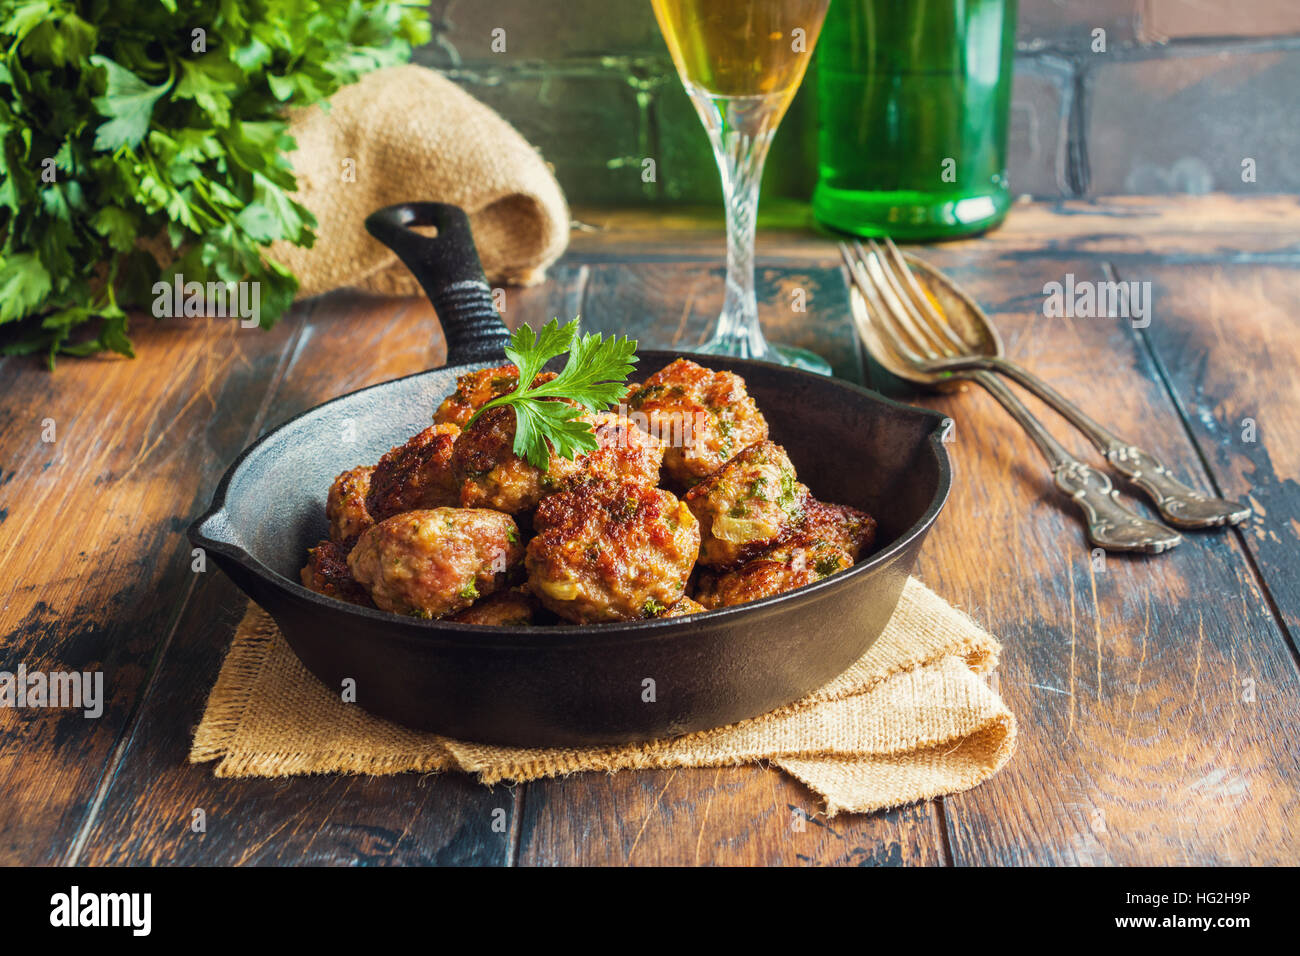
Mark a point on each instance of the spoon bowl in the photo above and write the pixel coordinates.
(957, 341)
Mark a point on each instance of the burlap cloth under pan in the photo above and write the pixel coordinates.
(407, 133)
(911, 720)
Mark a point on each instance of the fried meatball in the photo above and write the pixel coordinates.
(346, 506)
(511, 608)
(846, 528)
(704, 417)
(625, 452)
(611, 552)
(684, 607)
(747, 505)
(415, 475)
(327, 572)
(490, 475)
(431, 563)
(787, 566)
(476, 389)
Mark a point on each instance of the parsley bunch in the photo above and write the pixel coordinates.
(128, 120)
(594, 377)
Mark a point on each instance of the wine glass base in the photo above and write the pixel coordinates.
(778, 354)
(802, 359)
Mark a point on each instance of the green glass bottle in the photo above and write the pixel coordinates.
(913, 100)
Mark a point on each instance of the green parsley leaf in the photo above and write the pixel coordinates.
(127, 102)
(827, 566)
(23, 284)
(594, 377)
(530, 351)
(117, 226)
(159, 130)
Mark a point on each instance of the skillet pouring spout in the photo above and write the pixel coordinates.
(572, 686)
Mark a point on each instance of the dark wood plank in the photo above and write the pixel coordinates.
(93, 559)
(349, 341)
(728, 816)
(1225, 339)
(146, 815)
(1139, 741)
(675, 305)
(1155, 697)
(1194, 228)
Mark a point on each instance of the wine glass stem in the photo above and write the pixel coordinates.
(740, 155)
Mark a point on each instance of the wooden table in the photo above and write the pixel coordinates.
(1157, 698)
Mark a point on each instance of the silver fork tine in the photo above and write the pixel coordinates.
(876, 276)
(895, 307)
(876, 309)
(889, 317)
(1177, 502)
(862, 283)
(935, 319)
(887, 312)
(939, 346)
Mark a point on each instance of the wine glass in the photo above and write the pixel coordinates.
(741, 62)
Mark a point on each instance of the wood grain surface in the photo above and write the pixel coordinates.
(1141, 683)
(1156, 697)
(1188, 229)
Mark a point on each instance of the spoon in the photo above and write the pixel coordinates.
(968, 341)
(900, 341)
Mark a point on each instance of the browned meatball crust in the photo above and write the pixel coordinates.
(475, 389)
(327, 572)
(346, 506)
(512, 608)
(704, 417)
(787, 566)
(431, 563)
(682, 608)
(490, 475)
(625, 452)
(611, 552)
(747, 505)
(846, 528)
(415, 475)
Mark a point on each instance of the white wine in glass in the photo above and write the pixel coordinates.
(741, 62)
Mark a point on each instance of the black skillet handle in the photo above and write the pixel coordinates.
(448, 267)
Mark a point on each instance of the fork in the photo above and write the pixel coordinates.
(1177, 503)
(908, 341)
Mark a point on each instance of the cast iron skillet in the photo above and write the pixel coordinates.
(571, 685)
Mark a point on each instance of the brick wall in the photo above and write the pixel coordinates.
(1184, 92)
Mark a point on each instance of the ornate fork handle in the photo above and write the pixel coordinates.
(1182, 505)
(1111, 525)
(1179, 504)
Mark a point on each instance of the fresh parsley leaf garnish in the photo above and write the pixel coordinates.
(594, 378)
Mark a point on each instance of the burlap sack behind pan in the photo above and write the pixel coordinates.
(407, 133)
(911, 720)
